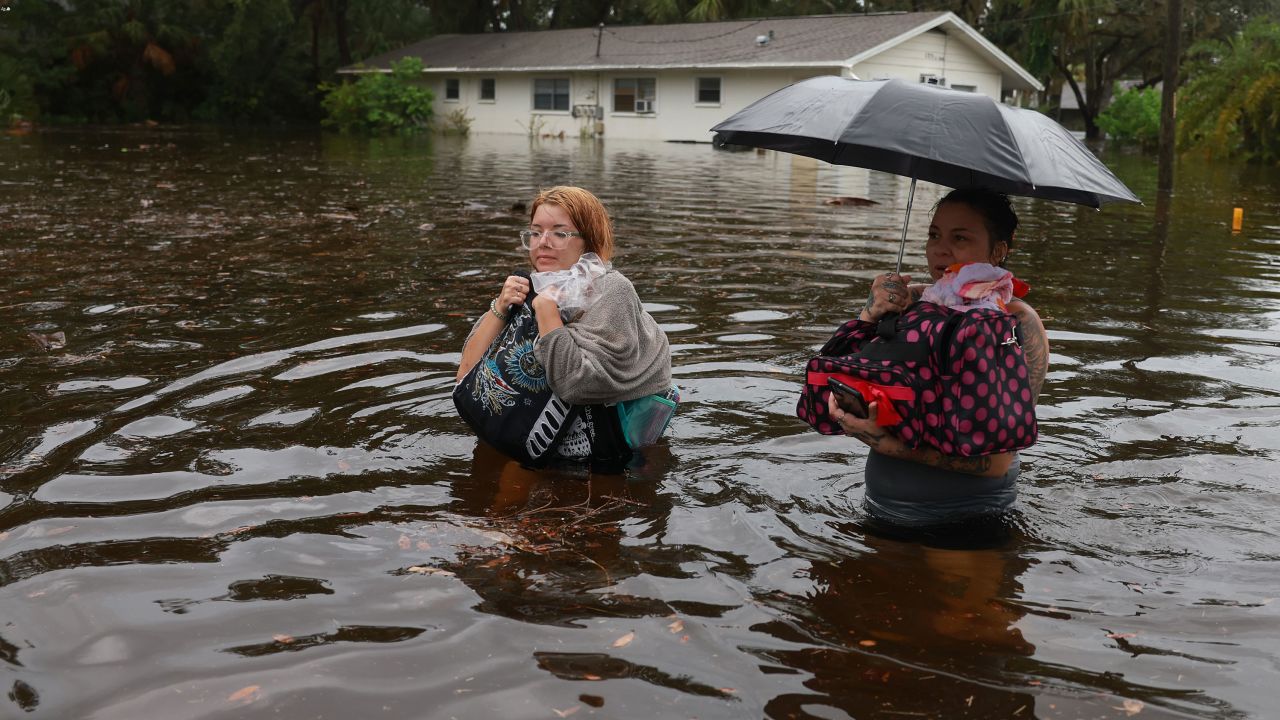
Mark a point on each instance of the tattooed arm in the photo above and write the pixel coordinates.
(1035, 344)
(876, 438)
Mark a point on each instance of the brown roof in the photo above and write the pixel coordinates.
(822, 40)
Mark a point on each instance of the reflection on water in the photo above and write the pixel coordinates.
(232, 482)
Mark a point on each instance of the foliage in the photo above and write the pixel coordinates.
(218, 60)
(536, 124)
(1133, 117)
(1089, 45)
(260, 73)
(456, 122)
(378, 102)
(1232, 104)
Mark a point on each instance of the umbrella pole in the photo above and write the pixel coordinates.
(902, 246)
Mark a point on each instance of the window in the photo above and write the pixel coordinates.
(708, 91)
(551, 94)
(634, 95)
(452, 90)
(488, 89)
(966, 88)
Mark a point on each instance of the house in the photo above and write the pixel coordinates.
(673, 82)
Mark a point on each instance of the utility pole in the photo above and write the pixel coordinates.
(1167, 123)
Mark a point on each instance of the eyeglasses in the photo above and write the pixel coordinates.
(557, 239)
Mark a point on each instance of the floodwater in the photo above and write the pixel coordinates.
(232, 483)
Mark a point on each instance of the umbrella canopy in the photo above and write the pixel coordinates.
(948, 137)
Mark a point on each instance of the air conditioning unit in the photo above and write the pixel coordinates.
(644, 106)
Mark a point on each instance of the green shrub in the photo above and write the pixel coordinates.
(1133, 117)
(379, 103)
(1230, 105)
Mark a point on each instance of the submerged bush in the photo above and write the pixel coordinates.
(1133, 117)
(379, 103)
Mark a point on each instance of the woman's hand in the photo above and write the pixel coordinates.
(865, 429)
(514, 291)
(547, 311)
(889, 293)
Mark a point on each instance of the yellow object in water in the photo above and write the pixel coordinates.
(1237, 219)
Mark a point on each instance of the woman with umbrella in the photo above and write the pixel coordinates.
(959, 140)
(922, 486)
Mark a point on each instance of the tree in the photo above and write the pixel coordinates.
(1089, 45)
(1231, 106)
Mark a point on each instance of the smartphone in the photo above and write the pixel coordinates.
(849, 399)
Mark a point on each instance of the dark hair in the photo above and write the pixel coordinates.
(996, 211)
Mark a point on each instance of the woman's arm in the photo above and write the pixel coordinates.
(878, 439)
(612, 351)
(1035, 345)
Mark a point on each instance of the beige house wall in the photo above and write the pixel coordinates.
(934, 53)
(677, 115)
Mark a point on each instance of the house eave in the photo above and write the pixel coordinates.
(1010, 70)
(610, 68)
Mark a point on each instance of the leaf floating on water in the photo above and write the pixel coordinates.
(589, 676)
(246, 695)
(428, 570)
(1133, 586)
(283, 639)
(1132, 707)
(676, 626)
(625, 640)
(500, 538)
(1122, 636)
(867, 643)
(567, 713)
(49, 341)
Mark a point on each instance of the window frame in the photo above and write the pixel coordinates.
(697, 91)
(568, 94)
(636, 96)
(493, 90)
(456, 84)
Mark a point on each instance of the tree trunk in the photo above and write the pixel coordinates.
(1167, 123)
(340, 27)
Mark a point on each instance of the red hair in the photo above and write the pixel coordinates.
(587, 213)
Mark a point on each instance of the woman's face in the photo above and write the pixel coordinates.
(543, 254)
(958, 234)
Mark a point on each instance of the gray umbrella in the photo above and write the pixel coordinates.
(925, 132)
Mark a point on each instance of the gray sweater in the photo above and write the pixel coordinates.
(614, 351)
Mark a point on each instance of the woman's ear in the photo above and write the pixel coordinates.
(999, 253)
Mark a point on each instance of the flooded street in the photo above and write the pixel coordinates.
(233, 483)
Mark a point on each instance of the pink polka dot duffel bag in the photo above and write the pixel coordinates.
(952, 380)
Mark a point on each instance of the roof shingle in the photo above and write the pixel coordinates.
(797, 41)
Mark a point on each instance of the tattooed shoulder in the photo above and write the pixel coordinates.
(1035, 343)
